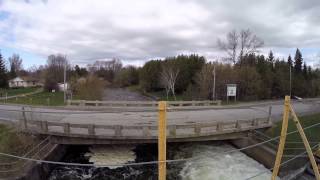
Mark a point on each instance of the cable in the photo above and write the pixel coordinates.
(145, 163)
(295, 157)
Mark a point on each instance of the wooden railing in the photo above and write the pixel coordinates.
(140, 132)
(173, 104)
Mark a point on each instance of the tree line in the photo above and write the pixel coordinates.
(189, 76)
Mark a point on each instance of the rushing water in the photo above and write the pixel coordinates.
(207, 163)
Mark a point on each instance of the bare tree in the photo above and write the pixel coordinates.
(168, 77)
(15, 65)
(239, 44)
(204, 80)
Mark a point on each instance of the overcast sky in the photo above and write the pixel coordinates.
(138, 30)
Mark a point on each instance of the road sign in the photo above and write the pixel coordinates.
(231, 90)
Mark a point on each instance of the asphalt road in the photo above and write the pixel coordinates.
(10, 113)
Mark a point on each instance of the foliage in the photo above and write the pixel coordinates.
(17, 91)
(3, 75)
(127, 76)
(90, 88)
(15, 65)
(106, 69)
(54, 72)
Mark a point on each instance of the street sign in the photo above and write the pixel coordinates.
(231, 90)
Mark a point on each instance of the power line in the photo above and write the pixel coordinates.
(149, 162)
(295, 157)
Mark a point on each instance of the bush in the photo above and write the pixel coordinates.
(91, 88)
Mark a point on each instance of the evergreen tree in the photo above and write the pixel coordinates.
(290, 63)
(298, 61)
(3, 75)
(305, 70)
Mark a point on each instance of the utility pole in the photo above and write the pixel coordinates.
(214, 83)
(64, 80)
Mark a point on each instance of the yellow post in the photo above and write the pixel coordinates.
(162, 127)
(282, 137)
(306, 144)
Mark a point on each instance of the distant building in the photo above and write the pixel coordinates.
(61, 86)
(24, 82)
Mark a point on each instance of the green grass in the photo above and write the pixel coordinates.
(43, 98)
(311, 133)
(17, 91)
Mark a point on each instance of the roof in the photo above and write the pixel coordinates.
(23, 78)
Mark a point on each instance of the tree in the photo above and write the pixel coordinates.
(238, 45)
(168, 77)
(204, 80)
(91, 88)
(15, 65)
(3, 75)
(290, 63)
(149, 76)
(55, 71)
(298, 61)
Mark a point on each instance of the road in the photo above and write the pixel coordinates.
(9, 113)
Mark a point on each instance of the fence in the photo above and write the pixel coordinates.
(140, 132)
(144, 104)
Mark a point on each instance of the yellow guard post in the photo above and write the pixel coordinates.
(162, 127)
(287, 108)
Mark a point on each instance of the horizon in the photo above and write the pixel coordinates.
(141, 31)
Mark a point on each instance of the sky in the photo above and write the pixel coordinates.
(140, 30)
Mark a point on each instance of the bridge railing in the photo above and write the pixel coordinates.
(173, 104)
(140, 132)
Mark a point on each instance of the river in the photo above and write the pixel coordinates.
(207, 163)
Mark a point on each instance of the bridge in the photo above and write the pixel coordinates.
(97, 122)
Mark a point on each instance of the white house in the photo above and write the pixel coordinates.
(23, 82)
(61, 86)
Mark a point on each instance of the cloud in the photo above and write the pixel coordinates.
(136, 31)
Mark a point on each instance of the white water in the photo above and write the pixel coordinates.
(104, 155)
(207, 164)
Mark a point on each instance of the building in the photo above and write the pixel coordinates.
(24, 82)
(61, 87)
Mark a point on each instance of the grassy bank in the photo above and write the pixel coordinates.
(43, 98)
(311, 133)
(16, 91)
(13, 143)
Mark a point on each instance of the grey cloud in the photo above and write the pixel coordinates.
(155, 29)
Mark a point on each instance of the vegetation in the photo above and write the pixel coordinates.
(311, 133)
(13, 143)
(17, 91)
(3, 73)
(90, 88)
(44, 99)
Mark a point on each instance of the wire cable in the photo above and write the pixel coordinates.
(148, 162)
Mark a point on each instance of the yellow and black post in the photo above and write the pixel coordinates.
(162, 139)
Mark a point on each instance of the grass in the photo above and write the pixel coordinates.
(43, 99)
(17, 91)
(311, 133)
(13, 143)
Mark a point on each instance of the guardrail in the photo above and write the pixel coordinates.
(84, 103)
(140, 132)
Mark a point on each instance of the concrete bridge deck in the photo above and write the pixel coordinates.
(121, 126)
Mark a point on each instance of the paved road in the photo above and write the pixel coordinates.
(239, 112)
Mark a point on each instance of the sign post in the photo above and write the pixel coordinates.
(231, 91)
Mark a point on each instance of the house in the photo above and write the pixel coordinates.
(62, 87)
(24, 82)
